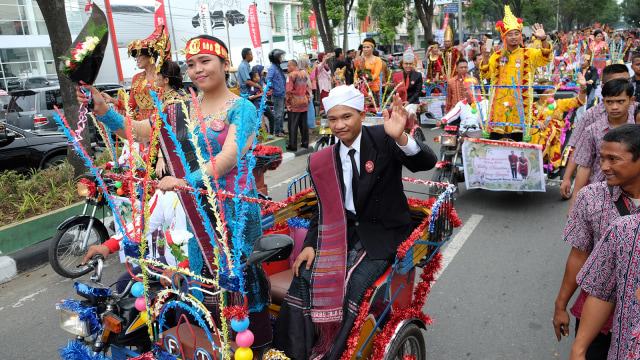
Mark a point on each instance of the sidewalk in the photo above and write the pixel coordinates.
(21, 261)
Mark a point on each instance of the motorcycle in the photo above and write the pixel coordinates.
(76, 234)
(450, 169)
(326, 136)
(104, 320)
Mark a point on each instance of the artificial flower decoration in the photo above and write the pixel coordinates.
(85, 56)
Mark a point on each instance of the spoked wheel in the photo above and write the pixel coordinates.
(410, 341)
(446, 174)
(66, 250)
(321, 143)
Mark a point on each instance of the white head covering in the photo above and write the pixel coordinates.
(344, 95)
(408, 56)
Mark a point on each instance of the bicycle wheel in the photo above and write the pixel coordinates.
(66, 250)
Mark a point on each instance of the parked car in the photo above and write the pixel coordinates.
(39, 82)
(217, 19)
(12, 82)
(235, 17)
(22, 150)
(34, 108)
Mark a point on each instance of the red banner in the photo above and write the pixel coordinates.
(314, 38)
(254, 31)
(160, 17)
(446, 21)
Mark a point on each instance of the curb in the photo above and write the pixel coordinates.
(21, 261)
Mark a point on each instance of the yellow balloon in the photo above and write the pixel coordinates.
(549, 112)
(144, 316)
(244, 354)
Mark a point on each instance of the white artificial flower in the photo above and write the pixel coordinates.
(91, 47)
(67, 63)
(180, 237)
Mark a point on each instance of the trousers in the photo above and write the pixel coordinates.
(294, 331)
(298, 120)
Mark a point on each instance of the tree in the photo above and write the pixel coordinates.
(631, 12)
(388, 14)
(325, 27)
(347, 6)
(424, 8)
(55, 18)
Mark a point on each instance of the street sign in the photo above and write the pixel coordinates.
(443, 2)
(451, 9)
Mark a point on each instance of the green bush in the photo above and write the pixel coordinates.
(37, 192)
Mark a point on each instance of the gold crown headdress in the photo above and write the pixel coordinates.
(510, 22)
(157, 46)
(448, 34)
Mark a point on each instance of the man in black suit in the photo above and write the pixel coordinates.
(355, 229)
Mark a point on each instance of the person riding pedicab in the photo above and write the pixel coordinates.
(512, 66)
(409, 85)
(361, 217)
(227, 120)
(551, 121)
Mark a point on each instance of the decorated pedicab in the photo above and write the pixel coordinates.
(234, 236)
(522, 117)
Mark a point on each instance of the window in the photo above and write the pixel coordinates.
(53, 97)
(21, 103)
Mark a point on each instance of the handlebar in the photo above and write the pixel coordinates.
(96, 263)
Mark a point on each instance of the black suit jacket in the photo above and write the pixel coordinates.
(413, 86)
(383, 219)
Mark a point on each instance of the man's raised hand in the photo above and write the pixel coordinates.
(394, 124)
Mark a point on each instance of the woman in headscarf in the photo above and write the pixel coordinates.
(303, 64)
(322, 75)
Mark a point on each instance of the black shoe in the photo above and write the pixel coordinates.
(291, 149)
(304, 146)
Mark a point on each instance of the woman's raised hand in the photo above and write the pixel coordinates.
(100, 107)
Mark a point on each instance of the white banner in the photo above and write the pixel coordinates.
(205, 19)
(502, 166)
(288, 31)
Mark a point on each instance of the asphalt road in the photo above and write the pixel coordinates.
(494, 299)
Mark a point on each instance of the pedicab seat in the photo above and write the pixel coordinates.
(280, 283)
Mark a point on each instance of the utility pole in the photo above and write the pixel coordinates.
(226, 19)
(558, 16)
(460, 29)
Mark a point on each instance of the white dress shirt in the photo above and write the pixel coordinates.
(410, 149)
(463, 111)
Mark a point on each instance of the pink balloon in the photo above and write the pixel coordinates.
(141, 305)
(550, 100)
(244, 339)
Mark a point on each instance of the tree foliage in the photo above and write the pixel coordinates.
(631, 12)
(388, 14)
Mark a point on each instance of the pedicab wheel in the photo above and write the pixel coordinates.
(321, 143)
(66, 250)
(409, 341)
(446, 174)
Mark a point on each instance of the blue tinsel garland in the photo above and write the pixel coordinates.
(75, 350)
(85, 289)
(85, 313)
(298, 222)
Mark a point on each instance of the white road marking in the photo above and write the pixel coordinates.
(285, 182)
(458, 241)
(28, 297)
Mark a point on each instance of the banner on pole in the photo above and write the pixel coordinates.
(502, 166)
(254, 31)
(160, 16)
(288, 30)
(205, 19)
(446, 21)
(314, 38)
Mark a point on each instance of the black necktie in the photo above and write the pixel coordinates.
(354, 176)
(637, 92)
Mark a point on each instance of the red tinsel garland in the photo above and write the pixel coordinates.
(409, 357)
(234, 312)
(412, 311)
(267, 150)
(145, 356)
(91, 187)
(354, 335)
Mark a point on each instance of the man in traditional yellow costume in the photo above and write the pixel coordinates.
(513, 66)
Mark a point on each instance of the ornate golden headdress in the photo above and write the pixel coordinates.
(448, 34)
(510, 22)
(157, 47)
